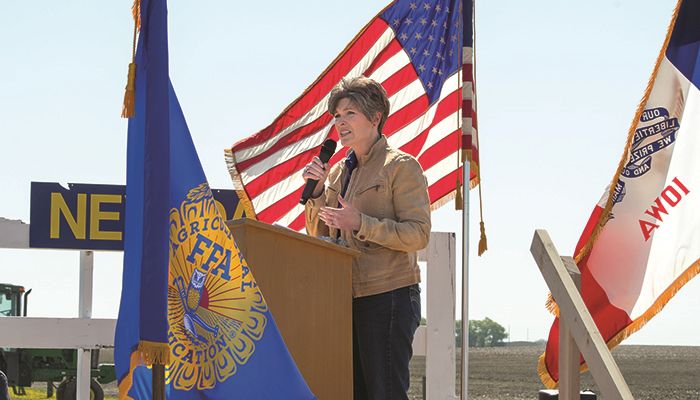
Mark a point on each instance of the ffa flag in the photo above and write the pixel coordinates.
(415, 50)
(642, 242)
(188, 298)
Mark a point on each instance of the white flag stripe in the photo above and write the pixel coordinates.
(441, 130)
(293, 214)
(278, 191)
(406, 96)
(468, 92)
(285, 153)
(390, 66)
(467, 55)
(442, 168)
(318, 109)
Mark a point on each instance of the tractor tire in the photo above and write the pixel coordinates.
(67, 390)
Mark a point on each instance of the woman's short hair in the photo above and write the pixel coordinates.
(367, 94)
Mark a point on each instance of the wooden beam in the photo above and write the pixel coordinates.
(56, 333)
(569, 354)
(573, 311)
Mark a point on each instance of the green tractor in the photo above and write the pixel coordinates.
(26, 366)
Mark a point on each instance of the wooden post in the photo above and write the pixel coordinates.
(158, 381)
(569, 354)
(440, 331)
(573, 311)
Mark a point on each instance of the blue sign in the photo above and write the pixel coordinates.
(91, 217)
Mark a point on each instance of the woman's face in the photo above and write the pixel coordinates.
(354, 129)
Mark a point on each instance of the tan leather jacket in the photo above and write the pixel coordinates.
(390, 190)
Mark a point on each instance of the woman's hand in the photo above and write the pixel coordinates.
(346, 218)
(318, 171)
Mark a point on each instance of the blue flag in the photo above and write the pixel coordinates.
(188, 298)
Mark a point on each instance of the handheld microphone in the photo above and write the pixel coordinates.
(327, 150)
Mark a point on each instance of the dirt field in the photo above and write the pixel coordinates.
(652, 372)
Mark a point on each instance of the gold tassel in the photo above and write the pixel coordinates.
(482, 240)
(459, 200)
(154, 352)
(130, 93)
(129, 104)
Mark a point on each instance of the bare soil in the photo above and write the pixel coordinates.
(652, 373)
(501, 373)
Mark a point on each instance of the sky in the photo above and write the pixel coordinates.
(558, 84)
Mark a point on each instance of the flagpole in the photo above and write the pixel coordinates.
(158, 382)
(466, 172)
(466, 185)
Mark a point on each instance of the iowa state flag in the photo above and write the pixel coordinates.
(188, 295)
(642, 242)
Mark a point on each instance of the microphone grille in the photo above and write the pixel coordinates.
(327, 150)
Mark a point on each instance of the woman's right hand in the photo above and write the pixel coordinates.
(318, 171)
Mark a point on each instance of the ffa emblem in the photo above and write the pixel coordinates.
(215, 310)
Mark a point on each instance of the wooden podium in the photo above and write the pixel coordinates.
(307, 284)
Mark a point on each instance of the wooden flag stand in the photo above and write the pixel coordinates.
(575, 318)
(158, 381)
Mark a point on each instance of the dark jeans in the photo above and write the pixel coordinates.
(383, 328)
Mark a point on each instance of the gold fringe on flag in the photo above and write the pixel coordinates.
(551, 305)
(128, 107)
(153, 352)
(238, 184)
(129, 104)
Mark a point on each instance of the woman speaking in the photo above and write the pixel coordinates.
(375, 200)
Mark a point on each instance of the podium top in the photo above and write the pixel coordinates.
(291, 234)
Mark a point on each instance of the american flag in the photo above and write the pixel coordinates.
(415, 50)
